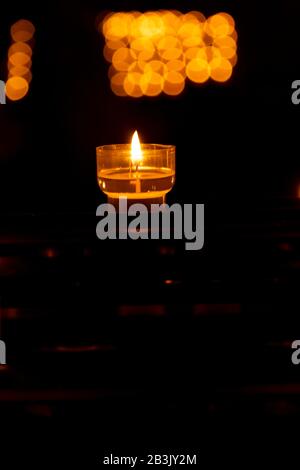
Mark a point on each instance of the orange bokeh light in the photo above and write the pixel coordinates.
(152, 83)
(220, 69)
(176, 66)
(21, 71)
(117, 84)
(22, 30)
(123, 58)
(174, 83)
(21, 47)
(19, 60)
(16, 88)
(220, 24)
(198, 70)
(227, 46)
(154, 52)
(132, 84)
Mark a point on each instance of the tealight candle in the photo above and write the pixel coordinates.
(140, 172)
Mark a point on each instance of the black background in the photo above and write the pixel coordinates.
(176, 383)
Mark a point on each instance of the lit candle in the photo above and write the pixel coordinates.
(140, 172)
(136, 157)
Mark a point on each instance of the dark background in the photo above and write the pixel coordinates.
(235, 141)
(147, 347)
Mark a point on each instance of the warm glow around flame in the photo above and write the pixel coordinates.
(136, 151)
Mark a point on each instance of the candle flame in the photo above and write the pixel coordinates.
(136, 151)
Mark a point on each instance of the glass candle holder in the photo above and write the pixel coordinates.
(147, 179)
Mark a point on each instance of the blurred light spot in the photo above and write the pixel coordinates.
(117, 84)
(233, 60)
(172, 282)
(50, 253)
(20, 47)
(227, 46)
(114, 45)
(151, 25)
(108, 53)
(111, 71)
(19, 58)
(176, 66)
(284, 246)
(142, 44)
(234, 36)
(20, 71)
(138, 66)
(155, 51)
(156, 66)
(198, 70)
(230, 21)
(133, 310)
(192, 41)
(10, 313)
(168, 42)
(193, 53)
(172, 21)
(22, 30)
(16, 88)
(220, 69)
(123, 58)
(151, 83)
(212, 52)
(220, 25)
(116, 26)
(197, 16)
(171, 54)
(145, 55)
(174, 83)
(132, 84)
